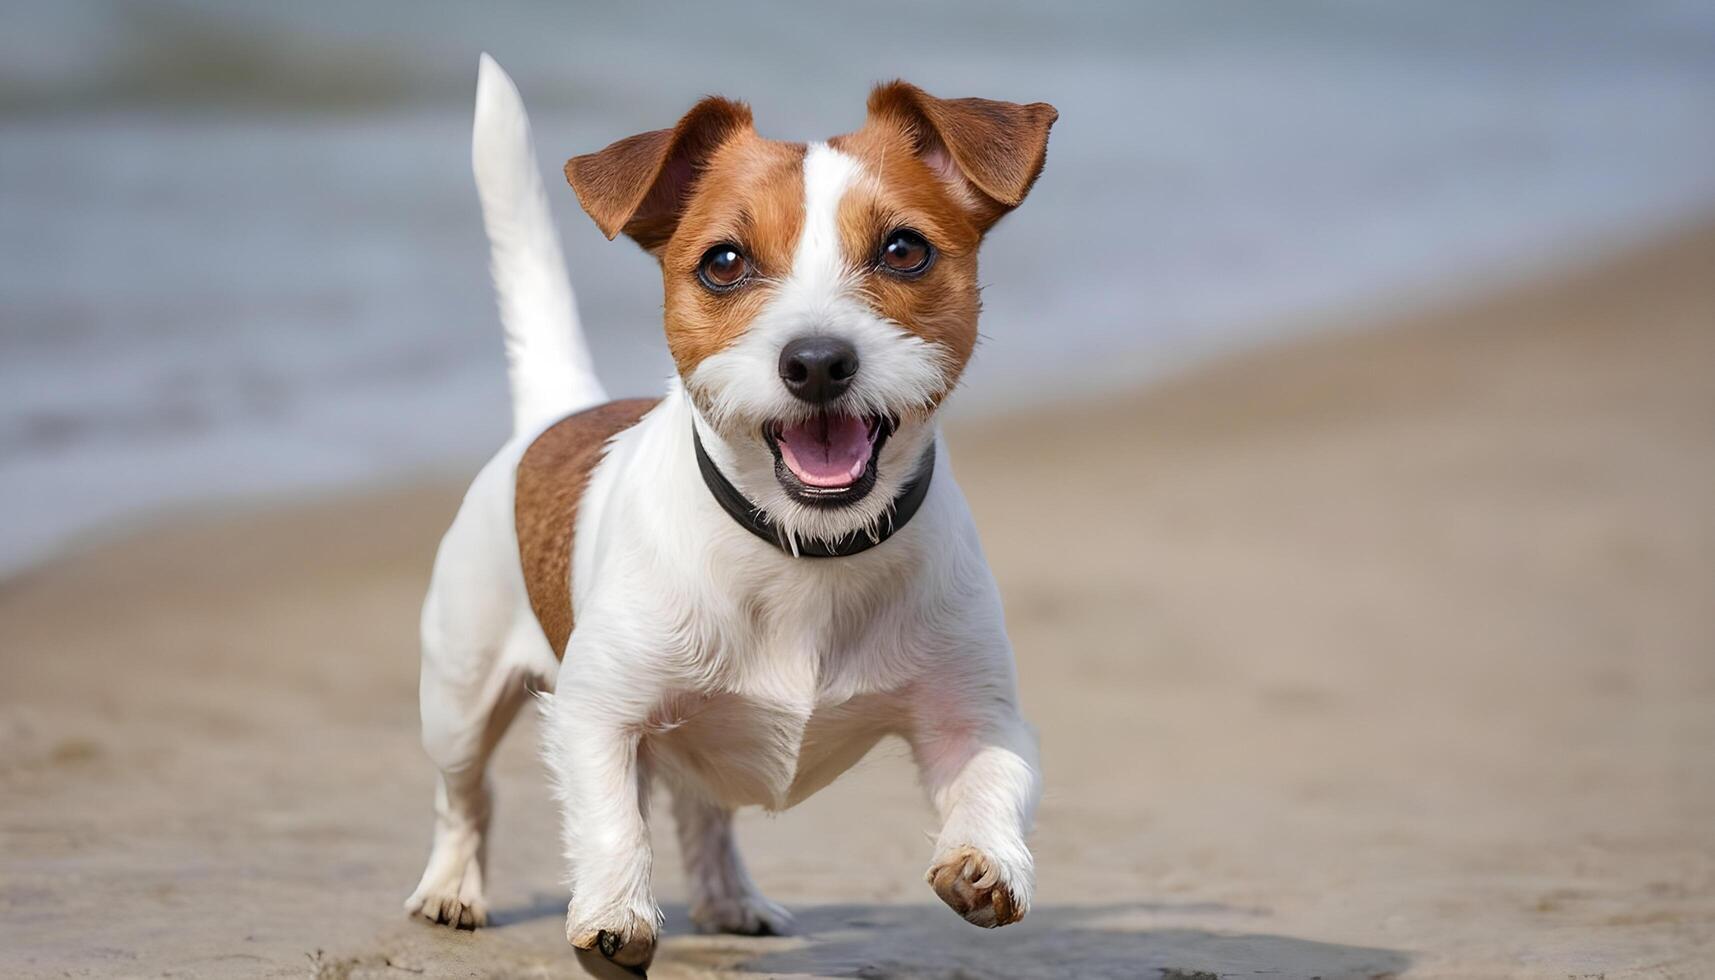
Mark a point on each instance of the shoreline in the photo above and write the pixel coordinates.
(1124, 377)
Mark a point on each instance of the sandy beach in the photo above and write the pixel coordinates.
(1388, 652)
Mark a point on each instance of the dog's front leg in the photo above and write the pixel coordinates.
(593, 734)
(977, 757)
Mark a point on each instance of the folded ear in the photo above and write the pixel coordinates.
(990, 152)
(640, 184)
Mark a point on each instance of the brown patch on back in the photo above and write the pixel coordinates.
(551, 478)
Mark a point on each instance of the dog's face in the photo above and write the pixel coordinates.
(822, 299)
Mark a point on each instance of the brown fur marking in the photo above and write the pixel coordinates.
(750, 195)
(903, 192)
(945, 168)
(640, 184)
(997, 147)
(551, 479)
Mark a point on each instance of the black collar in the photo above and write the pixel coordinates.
(753, 519)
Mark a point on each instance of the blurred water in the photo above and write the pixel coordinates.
(240, 252)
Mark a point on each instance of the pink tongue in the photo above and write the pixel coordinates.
(831, 451)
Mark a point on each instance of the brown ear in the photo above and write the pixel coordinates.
(991, 150)
(639, 185)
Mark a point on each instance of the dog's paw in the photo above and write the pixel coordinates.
(626, 944)
(451, 899)
(742, 915)
(449, 908)
(973, 885)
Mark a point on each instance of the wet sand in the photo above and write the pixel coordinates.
(1387, 652)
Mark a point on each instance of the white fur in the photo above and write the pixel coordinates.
(708, 661)
(546, 358)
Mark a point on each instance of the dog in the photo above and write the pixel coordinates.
(738, 589)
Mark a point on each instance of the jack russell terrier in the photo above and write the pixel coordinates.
(738, 589)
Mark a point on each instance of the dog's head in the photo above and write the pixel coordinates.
(821, 299)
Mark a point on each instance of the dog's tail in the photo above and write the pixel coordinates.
(547, 360)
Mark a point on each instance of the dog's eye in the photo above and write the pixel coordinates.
(906, 253)
(723, 267)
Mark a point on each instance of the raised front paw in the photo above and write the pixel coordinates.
(976, 887)
(622, 948)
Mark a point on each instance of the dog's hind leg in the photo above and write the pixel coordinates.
(451, 889)
(482, 652)
(462, 725)
(723, 898)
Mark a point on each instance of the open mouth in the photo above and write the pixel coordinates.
(828, 459)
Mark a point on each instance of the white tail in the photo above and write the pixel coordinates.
(546, 357)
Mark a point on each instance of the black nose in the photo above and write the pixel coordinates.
(818, 369)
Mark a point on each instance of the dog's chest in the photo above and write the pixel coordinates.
(795, 708)
(759, 751)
